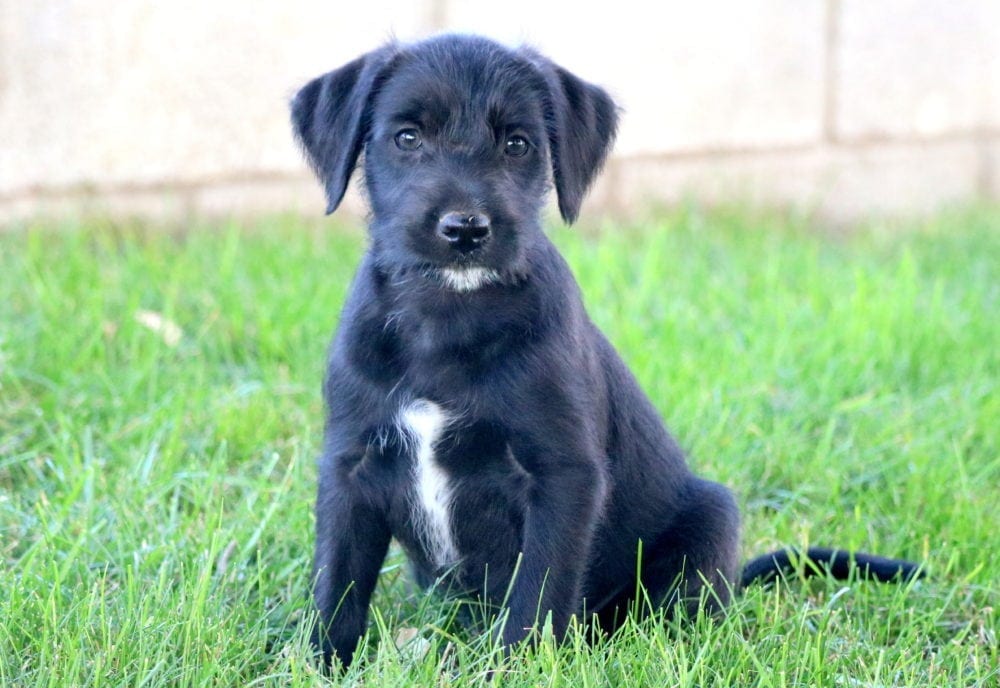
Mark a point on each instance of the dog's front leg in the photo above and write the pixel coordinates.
(352, 538)
(566, 495)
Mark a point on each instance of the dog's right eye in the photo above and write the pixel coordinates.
(408, 140)
(516, 146)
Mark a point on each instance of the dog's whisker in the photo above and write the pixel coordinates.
(395, 387)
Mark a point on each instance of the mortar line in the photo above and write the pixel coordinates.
(980, 137)
(831, 73)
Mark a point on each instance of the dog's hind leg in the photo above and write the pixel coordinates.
(694, 562)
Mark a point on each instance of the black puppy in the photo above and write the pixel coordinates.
(476, 414)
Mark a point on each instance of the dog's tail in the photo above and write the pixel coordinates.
(831, 562)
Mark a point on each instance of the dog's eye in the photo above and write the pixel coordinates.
(408, 140)
(516, 146)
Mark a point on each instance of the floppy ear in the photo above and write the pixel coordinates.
(331, 115)
(582, 124)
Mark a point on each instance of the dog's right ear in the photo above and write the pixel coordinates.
(331, 116)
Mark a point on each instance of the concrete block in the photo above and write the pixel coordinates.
(690, 76)
(840, 184)
(166, 205)
(889, 179)
(754, 178)
(243, 199)
(122, 93)
(909, 68)
(298, 194)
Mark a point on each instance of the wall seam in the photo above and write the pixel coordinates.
(831, 72)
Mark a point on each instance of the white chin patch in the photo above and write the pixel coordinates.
(468, 279)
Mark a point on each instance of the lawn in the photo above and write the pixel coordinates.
(160, 416)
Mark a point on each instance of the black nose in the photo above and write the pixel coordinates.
(464, 231)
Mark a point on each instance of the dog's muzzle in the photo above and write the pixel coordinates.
(464, 232)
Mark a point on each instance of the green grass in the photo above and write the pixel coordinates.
(155, 499)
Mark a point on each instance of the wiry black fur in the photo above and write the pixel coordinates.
(556, 455)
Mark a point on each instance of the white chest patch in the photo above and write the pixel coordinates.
(422, 423)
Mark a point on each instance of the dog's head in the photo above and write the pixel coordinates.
(459, 135)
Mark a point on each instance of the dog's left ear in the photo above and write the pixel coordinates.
(330, 116)
(582, 122)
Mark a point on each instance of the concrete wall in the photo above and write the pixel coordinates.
(846, 107)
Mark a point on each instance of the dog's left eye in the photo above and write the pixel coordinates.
(408, 140)
(516, 146)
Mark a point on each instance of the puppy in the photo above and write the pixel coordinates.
(475, 413)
